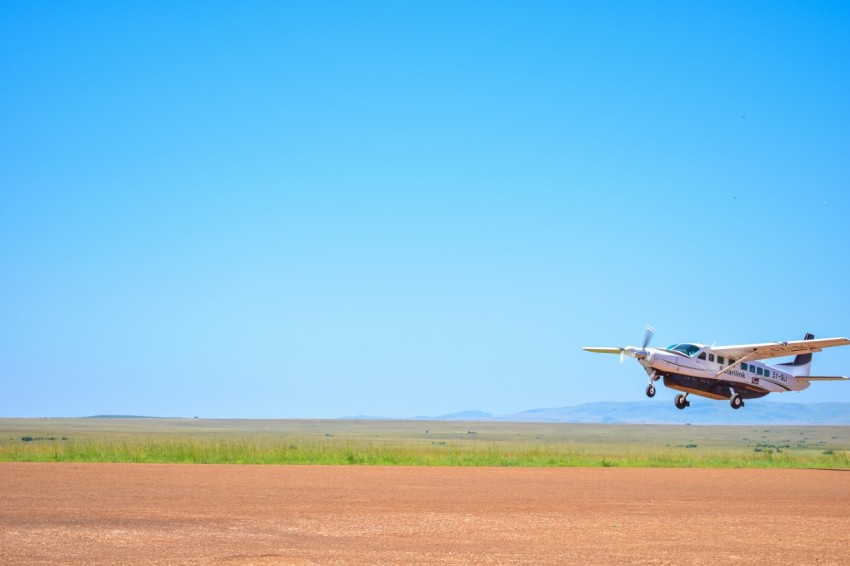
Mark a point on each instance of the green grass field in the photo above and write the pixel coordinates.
(420, 443)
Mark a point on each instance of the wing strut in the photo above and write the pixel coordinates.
(738, 362)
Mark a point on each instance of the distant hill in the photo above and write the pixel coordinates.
(655, 412)
(469, 416)
(120, 417)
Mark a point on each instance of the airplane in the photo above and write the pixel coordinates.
(727, 372)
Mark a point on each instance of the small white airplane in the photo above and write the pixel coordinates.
(728, 372)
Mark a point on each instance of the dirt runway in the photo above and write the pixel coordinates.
(208, 514)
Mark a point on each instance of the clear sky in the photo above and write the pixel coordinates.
(321, 209)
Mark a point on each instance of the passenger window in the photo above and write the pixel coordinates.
(720, 360)
(731, 362)
(759, 371)
(744, 366)
(701, 355)
(711, 357)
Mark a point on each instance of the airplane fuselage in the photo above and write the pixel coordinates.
(705, 374)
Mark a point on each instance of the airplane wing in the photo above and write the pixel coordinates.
(778, 349)
(822, 377)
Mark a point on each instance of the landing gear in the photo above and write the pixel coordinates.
(682, 401)
(736, 401)
(650, 389)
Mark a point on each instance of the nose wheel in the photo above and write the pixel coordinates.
(682, 401)
(650, 389)
(736, 401)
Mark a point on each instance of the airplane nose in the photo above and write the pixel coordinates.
(645, 356)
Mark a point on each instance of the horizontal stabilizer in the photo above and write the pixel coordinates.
(823, 377)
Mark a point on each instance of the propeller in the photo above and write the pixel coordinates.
(631, 351)
(642, 353)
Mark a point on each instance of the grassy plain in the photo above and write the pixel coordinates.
(420, 443)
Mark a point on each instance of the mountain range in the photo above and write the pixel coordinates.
(648, 412)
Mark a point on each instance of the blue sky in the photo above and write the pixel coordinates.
(319, 209)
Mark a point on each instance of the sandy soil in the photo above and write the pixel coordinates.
(184, 514)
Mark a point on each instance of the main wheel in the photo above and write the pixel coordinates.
(681, 402)
(736, 401)
(650, 390)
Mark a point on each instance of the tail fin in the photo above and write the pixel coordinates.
(802, 362)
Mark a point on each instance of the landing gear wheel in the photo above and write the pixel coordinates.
(650, 390)
(681, 402)
(736, 401)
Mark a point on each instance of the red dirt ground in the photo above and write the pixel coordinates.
(203, 514)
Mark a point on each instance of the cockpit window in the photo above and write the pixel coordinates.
(687, 349)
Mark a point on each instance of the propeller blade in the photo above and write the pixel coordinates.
(648, 336)
(602, 350)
